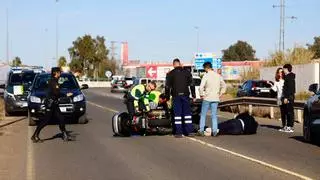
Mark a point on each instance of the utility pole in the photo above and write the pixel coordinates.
(7, 15)
(283, 18)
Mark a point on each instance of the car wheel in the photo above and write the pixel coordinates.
(31, 121)
(82, 119)
(313, 138)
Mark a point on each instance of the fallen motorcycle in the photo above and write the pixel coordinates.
(156, 121)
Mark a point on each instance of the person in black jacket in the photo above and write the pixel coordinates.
(52, 107)
(178, 82)
(288, 95)
(242, 124)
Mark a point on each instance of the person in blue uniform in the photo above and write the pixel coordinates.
(178, 82)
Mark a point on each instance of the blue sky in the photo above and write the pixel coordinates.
(156, 30)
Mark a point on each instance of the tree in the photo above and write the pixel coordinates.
(89, 55)
(240, 51)
(315, 47)
(62, 61)
(16, 61)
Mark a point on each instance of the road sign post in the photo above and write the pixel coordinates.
(108, 74)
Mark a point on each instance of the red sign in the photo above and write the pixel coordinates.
(151, 71)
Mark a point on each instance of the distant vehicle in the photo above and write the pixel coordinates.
(73, 108)
(129, 81)
(17, 88)
(119, 86)
(117, 77)
(197, 82)
(311, 116)
(256, 88)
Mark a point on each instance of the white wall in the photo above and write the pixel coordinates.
(306, 74)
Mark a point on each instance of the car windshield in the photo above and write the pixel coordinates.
(22, 78)
(66, 81)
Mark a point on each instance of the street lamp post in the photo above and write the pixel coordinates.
(57, 38)
(197, 29)
(7, 24)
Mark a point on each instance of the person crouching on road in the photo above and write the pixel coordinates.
(137, 98)
(178, 82)
(211, 88)
(52, 107)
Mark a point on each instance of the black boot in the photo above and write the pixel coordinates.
(36, 139)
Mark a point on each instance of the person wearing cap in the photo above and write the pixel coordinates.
(52, 107)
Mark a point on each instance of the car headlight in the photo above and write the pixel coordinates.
(6, 94)
(35, 99)
(78, 98)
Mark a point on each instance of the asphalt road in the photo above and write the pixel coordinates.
(95, 154)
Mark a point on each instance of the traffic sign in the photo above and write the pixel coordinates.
(201, 58)
(151, 72)
(108, 74)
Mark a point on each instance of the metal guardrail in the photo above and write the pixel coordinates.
(267, 102)
(270, 102)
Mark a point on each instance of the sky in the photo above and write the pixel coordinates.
(156, 30)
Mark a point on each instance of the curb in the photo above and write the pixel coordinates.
(11, 122)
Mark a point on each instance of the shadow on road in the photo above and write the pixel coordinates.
(301, 139)
(59, 135)
(270, 126)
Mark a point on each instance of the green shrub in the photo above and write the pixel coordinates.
(297, 55)
(303, 95)
(232, 91)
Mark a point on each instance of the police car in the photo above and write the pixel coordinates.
(72, 108)
(17, 87)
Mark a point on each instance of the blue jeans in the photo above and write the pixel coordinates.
(204, 111)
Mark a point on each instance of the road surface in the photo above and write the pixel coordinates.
(95, 154)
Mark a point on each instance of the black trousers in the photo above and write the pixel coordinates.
(287, 114)
(130, 106)
(51, 114)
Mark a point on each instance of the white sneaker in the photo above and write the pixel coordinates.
(289, 130)
(283, 129)
(215, 134)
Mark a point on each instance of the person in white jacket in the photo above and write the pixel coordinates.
(277, 87)
(211, 88)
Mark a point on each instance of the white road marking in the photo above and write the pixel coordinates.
(30, 171)
(251, 159)
(230, 152)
